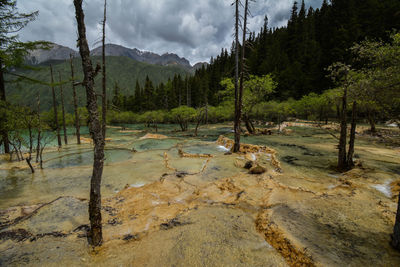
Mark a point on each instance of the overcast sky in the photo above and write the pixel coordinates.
(194, 29)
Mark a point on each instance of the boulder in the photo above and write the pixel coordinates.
(249, 164)
(257, 169)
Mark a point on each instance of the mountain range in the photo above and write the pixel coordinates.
(125, 66)
(59, 52)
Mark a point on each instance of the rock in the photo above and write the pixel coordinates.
(17, 235)
(181, 174)
(129, 237)
(249, 164)
(257, 169)
(228, 153)
(172, 223)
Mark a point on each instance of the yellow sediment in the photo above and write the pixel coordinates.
(166, 163)
(182, 154)
(153, 136)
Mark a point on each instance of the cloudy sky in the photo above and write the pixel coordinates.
(194, 29)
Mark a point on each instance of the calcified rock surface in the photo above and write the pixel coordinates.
(209, 211)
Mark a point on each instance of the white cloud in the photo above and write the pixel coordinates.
(194, 29)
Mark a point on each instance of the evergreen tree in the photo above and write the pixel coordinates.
(12, 51)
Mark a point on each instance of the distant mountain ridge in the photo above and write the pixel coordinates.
(142, 56)
(55, 52)
(59, 52)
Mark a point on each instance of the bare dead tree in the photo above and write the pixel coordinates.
(30, 142)
(55, 108)
(39, 128)
(199, 118)
(75, 100)
(95, 232)
(104, 95)
(236, 146)
(342, 157)
(350, 153)
(4, 133)
(77, 122)
(242, 58)
(63, 110)
(188, 93)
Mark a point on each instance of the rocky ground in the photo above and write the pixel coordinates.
(273, 218)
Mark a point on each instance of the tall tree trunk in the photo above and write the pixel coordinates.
(29, 158)
(279, 122)
(342, 162)
(199, 119)
(95, 233)
(206, 112)
(338, 112)
(350, 154)
(371, 121)
(77, 122)
(39, 136)
(248, 124)
(236, 146)
(239, 115)
(55, 107)
(4, 133)
(63, 111)
(321, 114)
(396, 230)
(187, 93)
(179, 95)
(104, 95)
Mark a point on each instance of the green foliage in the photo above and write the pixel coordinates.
(183, 115)
(255, 90)
(48, 117)
(376, 84)
(154, 117)
(122, 71)
(125, 117)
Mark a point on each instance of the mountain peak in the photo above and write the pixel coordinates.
(59, 52)
(55, 52)
(142, 56)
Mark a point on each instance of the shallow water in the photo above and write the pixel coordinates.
(309, 153)
(67, 172)
(306, 155)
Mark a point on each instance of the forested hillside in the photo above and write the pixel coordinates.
(122, 73)
(297, 55)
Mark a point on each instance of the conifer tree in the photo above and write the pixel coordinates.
(12, 51)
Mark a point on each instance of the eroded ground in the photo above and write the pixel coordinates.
(180, 201)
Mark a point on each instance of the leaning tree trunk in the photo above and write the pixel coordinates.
(104, 95)
(236, 127)
(77, 122)
(55, 107)
(95, 234)
(63, 111)
(342, 163)
(4, 133)
(350, 154)
(396, 231)
(29, 158)
(248, 124)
